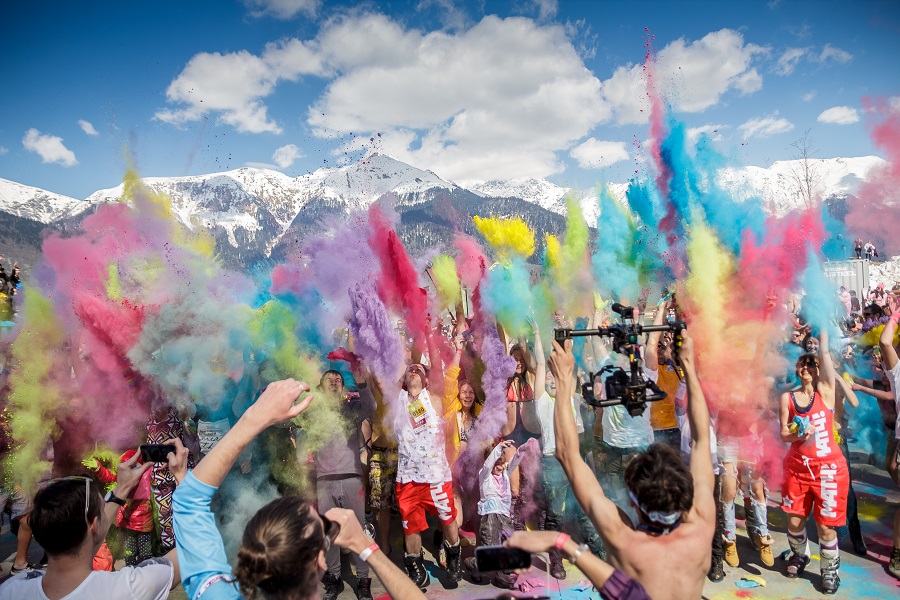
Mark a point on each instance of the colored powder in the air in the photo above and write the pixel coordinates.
(506, 294)
(113, 287)
(498, 368)
(443, 269)
(552, 258)
(471, 263)
(508, 237)
(820, 306)
(707, 288)
(614, 266)
(875, 211)
(398, 280)
(36, 399)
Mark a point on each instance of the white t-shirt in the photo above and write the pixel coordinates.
(895, 387)
(622, 430)
(544, 406)
(150, 580)
(420, 442)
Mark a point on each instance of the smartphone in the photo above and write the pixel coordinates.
(500, 558)
(157, 453)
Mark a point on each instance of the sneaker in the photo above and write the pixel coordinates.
(557, 570)
(454, 560)
(415, 568)
(830, 581)
(333, 586)
(364, 588)
(731, 555)
(894, 564)
(716, 571)
(505, 580)
(796, 565)
(764, 545)
(472, 569)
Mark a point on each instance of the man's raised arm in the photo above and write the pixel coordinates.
(698, 417)
(600, 509)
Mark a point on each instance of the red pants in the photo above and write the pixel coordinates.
(817, 488)
(414, 499)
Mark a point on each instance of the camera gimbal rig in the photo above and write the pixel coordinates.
(630, 389)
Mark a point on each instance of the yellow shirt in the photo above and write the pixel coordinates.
(662, 412)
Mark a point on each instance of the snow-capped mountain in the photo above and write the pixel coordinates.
(254, 212)
(778, 186)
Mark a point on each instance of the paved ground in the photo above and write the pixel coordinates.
(862, 576)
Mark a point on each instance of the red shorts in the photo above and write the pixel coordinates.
(414, 499)
(819, 489)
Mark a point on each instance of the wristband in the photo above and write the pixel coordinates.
(365, 554)
(561, 539)
(574, 558)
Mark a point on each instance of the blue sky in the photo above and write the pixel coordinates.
(470, 90)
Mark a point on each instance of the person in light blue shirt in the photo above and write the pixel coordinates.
(282, 553)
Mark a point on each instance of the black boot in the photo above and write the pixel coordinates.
(859, 544)
(333, 587)
(364, 588)
(454, 560)
(415, 568)
(716, 569)
(557, 570)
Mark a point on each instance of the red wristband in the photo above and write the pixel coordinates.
(560, 540)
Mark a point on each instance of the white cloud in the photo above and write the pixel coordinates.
(832, 54)
(283, 9)
(49, 147)
(453, 16)
(787, 62)
(87, 127)
(234, 85)
(546, 9)
(594, 154)
(499, 99)
(839, 115)
(808, 96)
(285, 156)
(693, 133)
(692, 76)
(763, 127)
(894, 103)
(3, 150)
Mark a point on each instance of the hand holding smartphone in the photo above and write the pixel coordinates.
(157, 453)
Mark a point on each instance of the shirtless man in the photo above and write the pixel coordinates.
(892, 370)
(816, 477)
(675, 505)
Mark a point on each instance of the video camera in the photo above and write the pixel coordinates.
(630, 389)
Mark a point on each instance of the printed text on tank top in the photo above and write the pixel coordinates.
(822, 426)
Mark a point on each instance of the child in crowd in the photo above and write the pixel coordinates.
(495, 507)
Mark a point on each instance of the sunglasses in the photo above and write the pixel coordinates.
(331, 530)
(87, 493)
(808, 364)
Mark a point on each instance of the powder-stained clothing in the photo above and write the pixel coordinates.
(340, 456)
(544, 406)
(420, 442)
(150, 580)
(496, 496)
(621, 430)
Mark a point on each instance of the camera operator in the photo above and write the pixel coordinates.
(669, 550)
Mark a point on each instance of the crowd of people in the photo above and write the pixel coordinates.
(605, 488)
